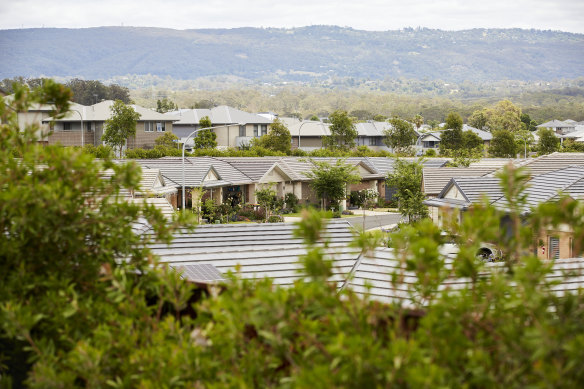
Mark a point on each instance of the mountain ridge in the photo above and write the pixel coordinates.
(303, 53)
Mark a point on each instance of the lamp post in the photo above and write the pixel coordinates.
(183, 156)
(82, 135)
(303, 123)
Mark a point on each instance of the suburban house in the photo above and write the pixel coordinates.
(68, 132)
(237, 179)
(461, 193)
(561, 127)
(35, 115)
(237, 128)
(307, 135)
(431, 139)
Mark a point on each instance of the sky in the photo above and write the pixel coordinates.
(372, 15)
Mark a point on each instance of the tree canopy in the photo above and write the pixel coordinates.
(401, 136)
(206, 139)
(120, 126)
(277, 139)
(330, 181)
(503, 145)
(343, 132)
(406, 180)
(165, 105)
(548, 141)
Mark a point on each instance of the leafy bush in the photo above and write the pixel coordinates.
(275, 219)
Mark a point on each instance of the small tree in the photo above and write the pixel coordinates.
(165, 105)
(206, 139)
(168, 140)
(401, 136)
(277, 139)
(524, 139)
(343, 132)
(548, 142)
(265, 198)
(503, 145)
(407, 181)
(120, 126)
(452, 138)
(330, 181)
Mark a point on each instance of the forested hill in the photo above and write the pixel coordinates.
(308, 53)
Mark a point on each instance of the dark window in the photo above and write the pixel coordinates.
(554, 247)
(67, 126)
(264, 129)
(241, 130)
(148, 126)
(255, 130)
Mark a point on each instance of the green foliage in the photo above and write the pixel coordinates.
(343, 132)
(167, 140)
(528, 123)
(430, 153)
(165, 105)
(120, 126)
(329, 182)
(478, 119)
(548, 142)
(205, 139)
(101, 151)
(83, 304)
(70, 259)
(453, 121)
(400, 137)
(277, 139)
(503, 145)
(266, 197)
(89, 92)
(570, 146)
(450, 140)
(406, 179)
(523, 140)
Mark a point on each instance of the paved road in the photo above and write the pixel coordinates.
(374, 221)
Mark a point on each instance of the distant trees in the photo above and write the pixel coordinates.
(165, 105)
(277, 139)
(89, 92)
(503, 116)
(343, 132)
(400, 137)
(206, 139)
(503, 145)
(120, 126)
(548, 142)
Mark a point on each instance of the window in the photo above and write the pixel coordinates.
(89, 127)
(255, 130)
(67, 126)
(149, 126)
(264, 129)
(160, 126)
(241, 130)
(554, 252)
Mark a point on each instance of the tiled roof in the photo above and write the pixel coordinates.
(256, 250)
(435, 179)
(218, 115)
(550, 162)
(546, 187)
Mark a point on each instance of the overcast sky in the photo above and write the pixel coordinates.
(378, 15)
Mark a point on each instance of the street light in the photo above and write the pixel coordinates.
(82, 135)
(183, 155)
(303, 123)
